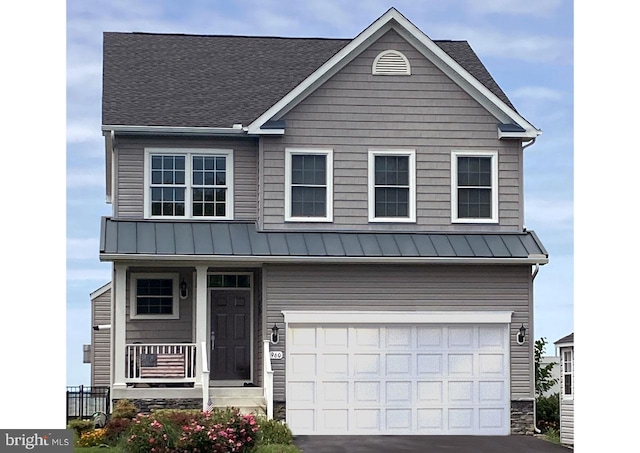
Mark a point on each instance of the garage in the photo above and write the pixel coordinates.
(398, 372)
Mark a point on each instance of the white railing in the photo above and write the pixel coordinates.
(205, 376)
(267, 378)
(163, 362)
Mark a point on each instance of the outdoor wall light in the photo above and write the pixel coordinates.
(184, 291)
(275, 337)
(521, 334)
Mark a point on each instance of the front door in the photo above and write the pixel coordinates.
(230, 334)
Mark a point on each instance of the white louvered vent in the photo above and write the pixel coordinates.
(391, 62)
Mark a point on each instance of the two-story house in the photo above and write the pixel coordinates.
(330, 229)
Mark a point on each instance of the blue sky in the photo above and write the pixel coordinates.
(527, 46)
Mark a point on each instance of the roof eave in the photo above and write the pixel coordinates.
(530, 260)
(174, 130)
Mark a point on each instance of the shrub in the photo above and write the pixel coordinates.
(115, 429)
(92, 438)
(124, 409)
(80, 426)
(548, 412)
(220, 431)
(273, 432)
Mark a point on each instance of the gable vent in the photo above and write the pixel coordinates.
(391, 62)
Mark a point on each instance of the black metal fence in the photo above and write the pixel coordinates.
(83, 402)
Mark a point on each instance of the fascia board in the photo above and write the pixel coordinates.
(173, 130)
(532, 259)
(100, 291)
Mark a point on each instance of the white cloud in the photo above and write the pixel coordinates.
(86, 275)
(527, 7)
(83, 249)
(538, 93)
(556, 214)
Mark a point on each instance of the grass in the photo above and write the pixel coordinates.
(552, 435)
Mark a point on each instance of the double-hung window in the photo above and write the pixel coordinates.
(188, 183)
(309, 185)
(567, 373)
(154, 296)
(392, 186)
(474, 186)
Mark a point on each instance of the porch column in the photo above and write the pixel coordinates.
(119, 325)
(201, 321)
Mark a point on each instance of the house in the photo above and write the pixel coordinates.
(327, 229)
(565, 349)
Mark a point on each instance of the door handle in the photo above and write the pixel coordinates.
(213, 340)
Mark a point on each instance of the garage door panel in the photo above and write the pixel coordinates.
(399, 379)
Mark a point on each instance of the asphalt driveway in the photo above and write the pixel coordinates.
(430, 444)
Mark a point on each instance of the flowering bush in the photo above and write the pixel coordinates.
(92, 438)
(220, 431)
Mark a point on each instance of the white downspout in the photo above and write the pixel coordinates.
(533, 277)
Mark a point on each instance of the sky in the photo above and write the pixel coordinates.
(527, 46)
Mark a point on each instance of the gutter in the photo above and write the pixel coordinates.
(171, 130)
(283, 259)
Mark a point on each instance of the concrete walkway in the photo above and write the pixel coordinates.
(426, 444)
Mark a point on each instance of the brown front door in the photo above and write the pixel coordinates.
(230, 334)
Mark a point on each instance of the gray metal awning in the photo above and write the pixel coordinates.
(237, 241)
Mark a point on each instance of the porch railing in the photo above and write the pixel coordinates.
(160, 363)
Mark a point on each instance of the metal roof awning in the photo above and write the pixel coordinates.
(242, 242)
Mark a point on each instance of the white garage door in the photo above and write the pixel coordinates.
(398, 379)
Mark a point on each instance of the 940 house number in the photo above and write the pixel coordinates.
(276, 354)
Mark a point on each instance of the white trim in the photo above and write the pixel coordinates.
(396, 317)
(100, 291)
(119, 326)
(381, 71)
(328, 153)
(392, 19)
(564, 373)
(257, 260)
(495, 208)
(133, 306)
(411, 154)
(173, 130)
(188, 153)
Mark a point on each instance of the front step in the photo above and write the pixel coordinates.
(245, 399)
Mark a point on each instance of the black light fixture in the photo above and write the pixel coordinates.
(521, 334)
(184, 291)
(275, 338)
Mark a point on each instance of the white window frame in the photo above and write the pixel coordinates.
(494, 185)
(328, 153)
(565, 373)
(189, 153)
(133, 295)
(411, 154)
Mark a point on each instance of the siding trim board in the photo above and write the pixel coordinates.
(397, 317)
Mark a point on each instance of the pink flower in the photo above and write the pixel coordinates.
(151, 440)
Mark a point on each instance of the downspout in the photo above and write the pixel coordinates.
(533, 140)
(533, 277)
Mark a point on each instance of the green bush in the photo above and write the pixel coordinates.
(273, 432)
(80, 426)
(124, 409)
(548, 412)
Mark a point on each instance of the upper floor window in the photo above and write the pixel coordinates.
(309, 185)
(567, 373)
(474, 186)
(154, 296)
(392, 186)
(189, 183)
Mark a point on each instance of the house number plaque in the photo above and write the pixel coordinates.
(276, 354)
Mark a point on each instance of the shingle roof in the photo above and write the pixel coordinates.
(567, 339)
(242, 239)
(216, 81)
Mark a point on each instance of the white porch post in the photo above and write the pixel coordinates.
(201, 320)
(119, 326)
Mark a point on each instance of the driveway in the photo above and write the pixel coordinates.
(431, 444)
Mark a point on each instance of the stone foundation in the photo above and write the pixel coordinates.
(522, 417)
(146, 405)
(279, 410)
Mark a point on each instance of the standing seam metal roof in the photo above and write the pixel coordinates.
(193, 238)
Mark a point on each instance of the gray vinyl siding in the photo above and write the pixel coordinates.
(100, 339)
(162, 330)
(377, 287)
(129, 183)
(355, 111)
